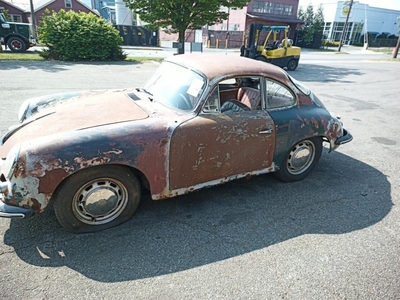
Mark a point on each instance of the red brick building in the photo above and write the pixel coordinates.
(20, 11)
(232, 32)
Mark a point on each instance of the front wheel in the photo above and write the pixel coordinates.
(97, 198)
(300, 160)
(16, 44)
(292, 65)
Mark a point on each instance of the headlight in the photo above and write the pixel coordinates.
(11, 161)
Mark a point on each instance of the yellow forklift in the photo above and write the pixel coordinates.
(280, 53)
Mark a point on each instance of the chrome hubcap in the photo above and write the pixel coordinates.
(100, 201)
(301, 157)
(17, 45)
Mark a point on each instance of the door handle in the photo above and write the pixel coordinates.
(266, 131)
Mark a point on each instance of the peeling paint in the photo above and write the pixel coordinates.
(176, 152)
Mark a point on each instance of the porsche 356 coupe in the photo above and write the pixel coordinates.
(199, 121)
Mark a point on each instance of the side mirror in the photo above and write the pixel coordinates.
(5, 25)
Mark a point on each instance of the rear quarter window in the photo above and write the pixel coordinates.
(278, 95)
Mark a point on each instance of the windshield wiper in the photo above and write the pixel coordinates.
(151, 98)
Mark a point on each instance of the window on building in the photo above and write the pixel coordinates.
(267, 7)
(234, 27)
(327, 30)
(338, 29)
(16, 18)
(356, 34)
(68, 3)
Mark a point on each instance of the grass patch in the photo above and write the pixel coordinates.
(35, 56)
(144, 59)
(319, 49)
(19, 56)
(390, 59)
(382, 50)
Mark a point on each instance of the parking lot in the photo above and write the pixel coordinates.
(335, 235)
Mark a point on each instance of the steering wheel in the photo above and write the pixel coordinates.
(187, 104)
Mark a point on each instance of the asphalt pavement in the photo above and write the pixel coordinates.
(334, 235)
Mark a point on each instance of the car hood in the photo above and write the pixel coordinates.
(96, 110)
(35, 105)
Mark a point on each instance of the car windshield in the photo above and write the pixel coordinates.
(2, 18)
(175, 86)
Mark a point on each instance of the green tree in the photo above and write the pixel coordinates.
(79, 36)
(180, 15)
(319, 20)
(312, 29)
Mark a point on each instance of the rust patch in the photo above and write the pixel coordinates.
(305, 100)
(214, 146)
(35, 205)
(47, 182)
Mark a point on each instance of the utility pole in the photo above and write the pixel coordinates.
(345, 24)
(33, 19)
(227, 29)
(396, 50)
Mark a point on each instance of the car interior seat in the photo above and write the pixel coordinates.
(249, 96)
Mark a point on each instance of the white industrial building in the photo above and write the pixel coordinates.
(382, 25)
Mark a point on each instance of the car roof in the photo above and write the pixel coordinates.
(215, 65)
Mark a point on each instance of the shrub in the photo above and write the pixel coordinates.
(328, 43)
(79, 36)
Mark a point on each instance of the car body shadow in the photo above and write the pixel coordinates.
(321, 73)
(341, 195)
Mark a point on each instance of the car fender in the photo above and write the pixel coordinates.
(45, 162)
(302, 122)
(15, 34)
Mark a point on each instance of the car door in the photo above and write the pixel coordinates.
(214, 146)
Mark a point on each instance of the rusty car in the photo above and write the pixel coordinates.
(199, 121)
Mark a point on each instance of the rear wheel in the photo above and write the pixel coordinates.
(292, 65)
(300, 160)
(97, 198)
(16, 44)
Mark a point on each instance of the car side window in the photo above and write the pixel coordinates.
(278, 95)
(234, 95)
(212, 103)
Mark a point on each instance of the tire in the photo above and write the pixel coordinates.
(300, 160)
(97, 198)
(16, 44)
(292, 65)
